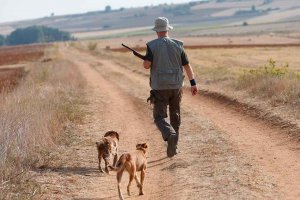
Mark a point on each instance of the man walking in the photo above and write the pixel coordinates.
(166, 59)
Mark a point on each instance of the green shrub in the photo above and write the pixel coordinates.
(277, 83)
(92, 46)
(270, 69)
(298, 75)
(37, 34)
(2, 40)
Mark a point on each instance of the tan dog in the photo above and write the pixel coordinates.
(132, 162)
(106, 147)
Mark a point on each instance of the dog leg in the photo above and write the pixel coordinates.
(99, 157)
(115, 160)
(131, 176)
(106, 165)
(119, 178)
(138, 183)
(142, 181)
(120, 193)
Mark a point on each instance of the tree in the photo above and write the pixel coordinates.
(179, 10)
(107, 8)
(2, 40)
(37, 34)
(245, 23)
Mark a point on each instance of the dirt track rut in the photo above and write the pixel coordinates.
(224, 155)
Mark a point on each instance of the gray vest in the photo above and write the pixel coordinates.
(166, 68)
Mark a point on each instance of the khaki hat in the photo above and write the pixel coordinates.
(162, 24)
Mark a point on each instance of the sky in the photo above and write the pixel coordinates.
(12, 10)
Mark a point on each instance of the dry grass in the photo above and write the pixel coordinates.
(17, 54)
(276, 83)
(32, 118)
(10, 77)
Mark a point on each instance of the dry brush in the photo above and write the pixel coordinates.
(33, 117)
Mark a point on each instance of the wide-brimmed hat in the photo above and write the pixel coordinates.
(162, 24)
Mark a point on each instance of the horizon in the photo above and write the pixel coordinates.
(34, 9)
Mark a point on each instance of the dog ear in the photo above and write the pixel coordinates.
(145, 145)
(117, 135)
(99, 143)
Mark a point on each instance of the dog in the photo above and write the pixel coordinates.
(106, 147)
(132, 163)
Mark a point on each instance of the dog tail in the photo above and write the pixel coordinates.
(122, 160)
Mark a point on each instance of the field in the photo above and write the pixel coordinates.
(21, 54)
(13, 61)
(9, 78)
(234, 133)
(239, 137)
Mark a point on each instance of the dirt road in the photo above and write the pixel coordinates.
(224, 154)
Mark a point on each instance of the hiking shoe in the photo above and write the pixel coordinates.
(171, 150)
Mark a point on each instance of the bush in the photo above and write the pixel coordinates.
(92, 46)
(2, 40)
(37, 34)
(277, 83)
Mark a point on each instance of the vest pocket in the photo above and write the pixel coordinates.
(168, 76)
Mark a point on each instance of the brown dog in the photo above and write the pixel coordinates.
(107, 146)
(132, 162)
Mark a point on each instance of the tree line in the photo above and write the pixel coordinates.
(35, 34)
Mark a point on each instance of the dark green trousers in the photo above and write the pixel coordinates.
(161, 100)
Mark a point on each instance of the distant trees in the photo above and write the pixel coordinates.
(179, 10)
(267, 1)
(107, 9)
(2, 40)
(245, 24)
(251, 11)
(37, 34)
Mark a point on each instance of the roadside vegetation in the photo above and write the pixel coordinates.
(35, 118)
(92, 46)
(35, 34)
(277, 83)
(2, 40)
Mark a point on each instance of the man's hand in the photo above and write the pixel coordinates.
(147, 64)
(194, 90)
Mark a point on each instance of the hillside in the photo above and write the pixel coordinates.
(201, 17)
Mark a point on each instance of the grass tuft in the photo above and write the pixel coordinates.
(92, 46)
